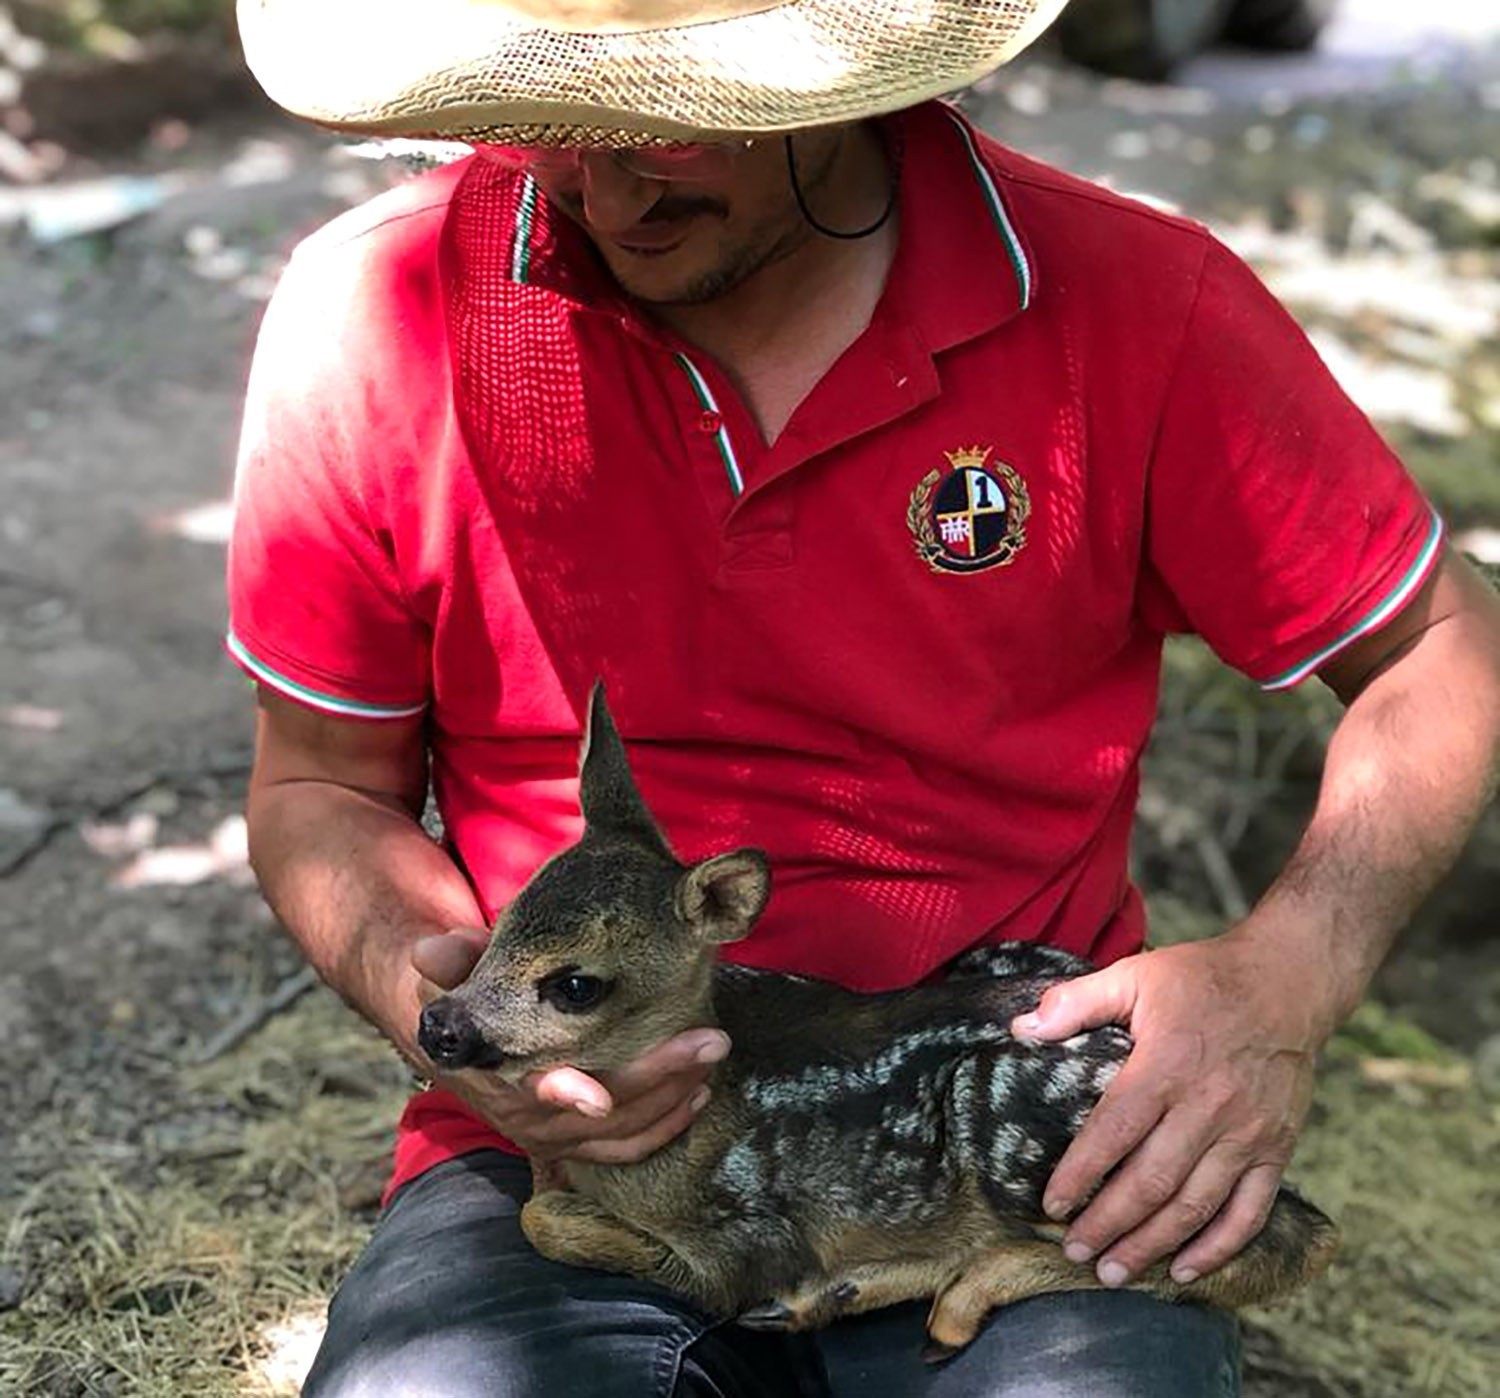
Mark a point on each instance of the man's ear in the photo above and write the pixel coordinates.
(721, 898)
(606, 791)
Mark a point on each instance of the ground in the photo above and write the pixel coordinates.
(178, 1181)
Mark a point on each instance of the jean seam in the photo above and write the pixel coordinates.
(669, 1358)
(1229, 1373)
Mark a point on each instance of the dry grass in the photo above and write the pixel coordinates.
(1410, 1308)
(166, 1280)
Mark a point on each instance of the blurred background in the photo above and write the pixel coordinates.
(192, 1136)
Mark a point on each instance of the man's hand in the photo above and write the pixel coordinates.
(565, 1114)
(1201, 1121)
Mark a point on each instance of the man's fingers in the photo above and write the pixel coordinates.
(570, 1089)
(655, 1076)
(1147, 1181)
(634, 1130)
(1188, 1211)
(642, 1112)
(1242, 1217)
(627, 1119)
(1127, 1111)
(692, 1049)
(446, 960)
(628, 1150)
(1105, 997)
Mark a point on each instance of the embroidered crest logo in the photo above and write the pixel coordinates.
(972, 518)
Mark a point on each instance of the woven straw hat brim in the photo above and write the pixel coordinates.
(469, 70)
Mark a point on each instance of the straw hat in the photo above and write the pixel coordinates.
(621, 72)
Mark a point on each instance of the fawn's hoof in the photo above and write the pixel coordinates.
(769, 1315)
(936, 1352)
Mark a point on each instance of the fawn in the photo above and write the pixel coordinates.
(858, 1149)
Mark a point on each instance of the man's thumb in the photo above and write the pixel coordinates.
(447, 959)
(1106, 997)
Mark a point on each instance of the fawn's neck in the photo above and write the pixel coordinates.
(693, 1006)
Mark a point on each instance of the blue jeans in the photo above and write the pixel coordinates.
(450, 1301)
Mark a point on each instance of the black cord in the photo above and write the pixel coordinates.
(895, 157)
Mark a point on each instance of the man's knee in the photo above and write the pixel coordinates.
(618, 1351)
(1081, 1344)
(1102, 1344)
(460, 1361)
(450, 1300)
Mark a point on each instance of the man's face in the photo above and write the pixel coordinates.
(685, 242)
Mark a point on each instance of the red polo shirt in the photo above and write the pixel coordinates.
(910, 649)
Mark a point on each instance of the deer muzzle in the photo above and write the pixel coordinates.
(450, 1037)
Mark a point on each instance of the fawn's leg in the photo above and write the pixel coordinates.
(1283, 1256)
(1296, 1245)
(1010, 1272)
(1291, 1250)
(1029, 1267)
(867, 1287)
(572, 1228)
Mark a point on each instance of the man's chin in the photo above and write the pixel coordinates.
(667, 280)
(692, 274)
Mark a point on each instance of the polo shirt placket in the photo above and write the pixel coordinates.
(727, 452)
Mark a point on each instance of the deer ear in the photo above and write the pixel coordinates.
(606, 790)
(721, 898)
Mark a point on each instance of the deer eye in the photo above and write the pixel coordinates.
(573, 992)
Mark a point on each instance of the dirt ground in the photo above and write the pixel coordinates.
(144, 1141)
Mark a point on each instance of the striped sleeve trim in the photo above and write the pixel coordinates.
(1392, 603)
(313, 698)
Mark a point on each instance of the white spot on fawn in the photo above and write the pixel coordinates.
(1065, 1078)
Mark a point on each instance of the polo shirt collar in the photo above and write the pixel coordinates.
(962, 265)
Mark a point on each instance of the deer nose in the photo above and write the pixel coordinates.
(448, 1034)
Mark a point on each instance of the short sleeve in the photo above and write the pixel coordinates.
(1279, 526)
(316, 606)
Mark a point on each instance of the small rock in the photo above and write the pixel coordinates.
(12, 1288)
(1480, 543)
(116, 839)
(43, 324)
(16, 814)
(160, 801)
(1310, 129)
(1259, 139)
(1487, 1066)
(16, 162)
(57, 213)
(1130, 145)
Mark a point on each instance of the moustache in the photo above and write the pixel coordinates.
(670, 208)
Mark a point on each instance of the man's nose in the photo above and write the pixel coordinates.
(448, 1035)
(613, 198)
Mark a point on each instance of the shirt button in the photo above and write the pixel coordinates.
(709, 423)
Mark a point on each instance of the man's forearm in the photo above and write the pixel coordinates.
(357, 881)
(1410, 768)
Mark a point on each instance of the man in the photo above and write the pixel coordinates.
(869, 463)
